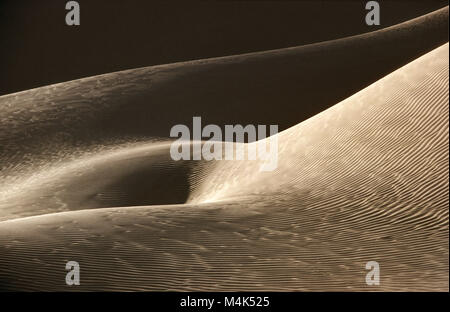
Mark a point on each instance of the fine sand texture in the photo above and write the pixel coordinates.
(86, 174)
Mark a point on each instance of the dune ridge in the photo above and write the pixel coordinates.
(365, 180)
(60, 137)
(54, 122)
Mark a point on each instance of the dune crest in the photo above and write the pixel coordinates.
(365, 180)
(53, 122)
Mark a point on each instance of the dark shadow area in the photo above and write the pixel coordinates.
(38, 48)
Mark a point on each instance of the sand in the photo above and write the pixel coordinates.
(364, 180)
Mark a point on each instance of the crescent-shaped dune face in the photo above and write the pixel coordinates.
(146, 102)
(364, 180)
(90, 143)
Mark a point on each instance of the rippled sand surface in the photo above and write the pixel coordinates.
(364, 180)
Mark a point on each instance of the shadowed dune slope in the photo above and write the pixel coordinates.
(100, 141)
(146, 102)
(127, 175)
(365, 180)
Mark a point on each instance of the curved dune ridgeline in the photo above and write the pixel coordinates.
(86, 173)
(241, 89)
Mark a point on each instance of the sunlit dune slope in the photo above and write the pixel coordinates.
(281, 87)
(365, 180)
(102, 141)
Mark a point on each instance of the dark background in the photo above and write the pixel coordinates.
(37, 48)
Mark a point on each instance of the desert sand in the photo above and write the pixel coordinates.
(362, 175)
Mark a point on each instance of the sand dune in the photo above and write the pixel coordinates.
(146, 102)
(365, 180)
(56, 141)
